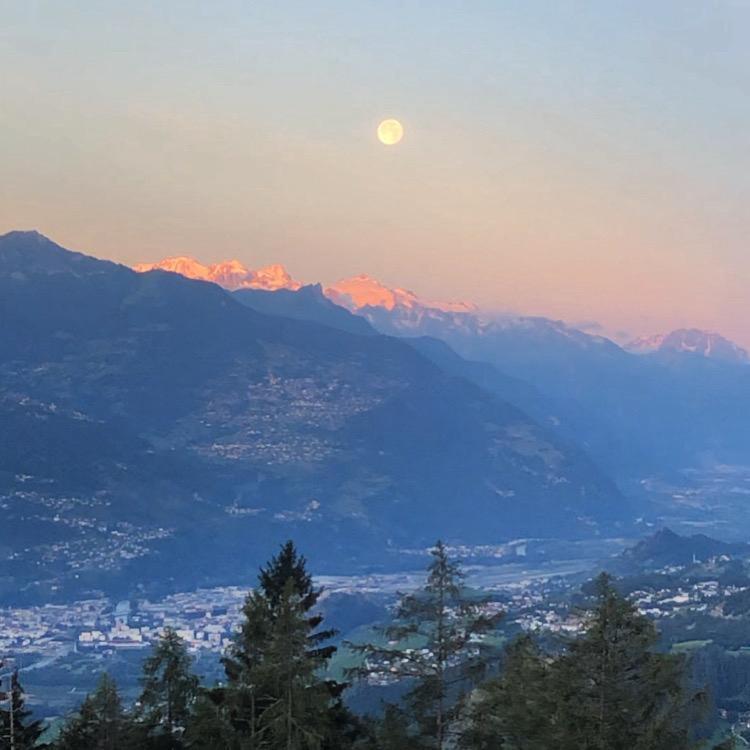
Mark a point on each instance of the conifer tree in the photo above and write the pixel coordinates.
(245, 697)
(514, 710)
(275, 691)
(346, 730)
(615, 691)
(169, 689)
(295, 717)
(289, 565)
(609, 690)
(207, 726)
(392, 732)
(17, 730)
(437, 644)
(100, 724)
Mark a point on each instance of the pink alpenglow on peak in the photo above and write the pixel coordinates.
(363, 291)
(231, 274)
(274, 277)
(355, 293)
(181, 264)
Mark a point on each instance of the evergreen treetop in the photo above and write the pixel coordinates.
(17, 729)
(169, 686)
(100, 723)
(437, 642)
(610, 689)
(287, 565)
(276, 691)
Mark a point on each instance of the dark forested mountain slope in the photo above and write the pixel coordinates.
(307, 303)
(665, 548)
(311, 304)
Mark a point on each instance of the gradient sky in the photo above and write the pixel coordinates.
(584, 160)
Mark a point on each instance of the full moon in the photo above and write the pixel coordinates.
(390, 132)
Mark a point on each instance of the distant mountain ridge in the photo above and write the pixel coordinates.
(400, 311)
(394, 311)
(360, 292)
(683, 404)
(691, 341)
(354, 293)
(306, 303)
(230, 274)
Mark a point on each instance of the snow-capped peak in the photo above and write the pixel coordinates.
(363, 291)
(181, 264)
(231, 274)
(691, 340)
(273, 277)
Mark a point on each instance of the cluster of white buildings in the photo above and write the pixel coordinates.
(205, 619)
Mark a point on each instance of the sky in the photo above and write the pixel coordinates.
(582, 160)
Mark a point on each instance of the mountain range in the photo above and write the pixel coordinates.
(659, 405)
(230, 274)
(162, 432)
(401, 311)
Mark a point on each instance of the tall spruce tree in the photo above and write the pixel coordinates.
(437, 643)
(392, 731)
(169, 689)
(17, 730)
(275, 692)
(245, 698)
(100, 723)
(611, 689)
(615, 690)
(514, 710)
(289, 565)
(295, 717)
(208, 727)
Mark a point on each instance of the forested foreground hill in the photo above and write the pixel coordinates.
(455, 682)
(158, 430)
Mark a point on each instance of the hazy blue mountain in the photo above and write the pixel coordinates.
(164, 432)
(634, 414)
(675, 401)
(311, 304)
(488, 377)
(693, 341)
